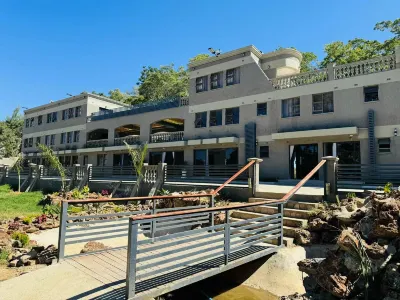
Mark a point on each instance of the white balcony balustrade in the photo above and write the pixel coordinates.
(163, 137)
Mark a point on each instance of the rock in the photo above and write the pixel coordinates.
(375, 251)
(329, 237)
(391, 280)
(219, 218)
(38, 249)
(351, 263)
(318, 224)
(33, 254)
(24, 258)
(31, 229)
(5, 240)
(347, 241)
(383, 229)
(344, 216)
(17, 244)
(47, 255)
(93, 246)
(365, 226)
(302, 237)
(15, 263)
(309, 266)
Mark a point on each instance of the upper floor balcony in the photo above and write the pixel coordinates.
(139, 108)
(333, 72)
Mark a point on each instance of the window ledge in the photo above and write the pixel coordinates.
(291, 117)
(326, 113)
(216, 89)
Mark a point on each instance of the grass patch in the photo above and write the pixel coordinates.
(19, 204)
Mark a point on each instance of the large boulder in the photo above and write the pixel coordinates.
(5, 240)
(305, 237)
(390, 286)
(318, 224)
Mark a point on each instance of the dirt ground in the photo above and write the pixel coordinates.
(8, 273)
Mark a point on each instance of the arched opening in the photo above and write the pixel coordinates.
(97, 138)
(167, 130)
(127, 133)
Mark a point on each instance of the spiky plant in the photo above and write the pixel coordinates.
(54, 162)
(138, 156)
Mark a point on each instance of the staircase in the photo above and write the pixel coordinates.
(295, 213)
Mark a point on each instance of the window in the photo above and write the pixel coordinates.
(371, 93)
(201, 120)
(69, 137)
(85, 159)
(62, 160)
(39, 120)
(264, 151)
(201, 84)
(54, 117)
(48, 118)
(25, 143)
(62, 139)
(101, 159)
(52, 139)
(78, 111)
(74, 159)
(31, 122)
(65, 114)
(67, 161)
(291, 107)
(26, 123)
(76, 136)
(384, 145)
(232, 116)
(216, 117)
(323, 103)
(261, 109)
(38, 140)
(47, 140)
(232, 76)
(216, 80)
(70, 113)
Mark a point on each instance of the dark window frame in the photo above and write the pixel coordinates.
(217, 119)
(40, 120)
(78, 111)
(201, 84)
(76, 136)
(232, 76)
(200, 120)
(232, 116)
(292, 112)
(216, 81)
(384, 145)
(262, 111)
(264, 151)
(370, 94)
(325, 97)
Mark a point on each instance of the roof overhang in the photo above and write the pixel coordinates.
(315, 133)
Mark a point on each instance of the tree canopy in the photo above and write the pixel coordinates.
(11, 134)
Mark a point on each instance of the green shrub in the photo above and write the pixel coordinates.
(75, 209)
(27, 220)
(4, 253)
(5, 188)
(388, 188)
(76, 194)
(22, 237)
(351, 195)
(85, 190)
(118, 209)
(51, 209)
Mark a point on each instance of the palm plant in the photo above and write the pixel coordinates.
(54, 162)
(138, 156)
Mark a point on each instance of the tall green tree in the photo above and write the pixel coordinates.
(361, 49)
(11, 134)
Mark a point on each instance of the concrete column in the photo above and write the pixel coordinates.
(254, 175)
(161, 168)
(330, 178)
(88, 173)
(397, 51)
(331, 73)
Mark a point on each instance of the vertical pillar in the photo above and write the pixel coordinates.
(255, 175)
(227, 237)
(280, 238)
(74, 176)
(331, 71)
(330, 178)
(397, 51)
(131, 261)
(88, 173)
(62, 229)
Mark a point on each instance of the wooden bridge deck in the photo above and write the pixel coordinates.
(109, 266)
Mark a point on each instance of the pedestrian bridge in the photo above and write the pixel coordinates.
(166, 249)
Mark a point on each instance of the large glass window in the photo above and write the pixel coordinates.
(201, 120)
(78, 111)
(54, 117)
(291, 107)
(168, 157)
(122, 159)
(216, 117)
(200, 157)
(232, 76)
(40, 120)
(384, 145)
(101, 160)
(216, 80)
(261, 109)
(323, 103)
(232, 116)
(76, 136)
(69, 137)
(62, 139)
(227, 156)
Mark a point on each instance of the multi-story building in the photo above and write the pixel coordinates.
(241, 104)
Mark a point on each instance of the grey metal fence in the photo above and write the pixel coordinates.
(367, 175)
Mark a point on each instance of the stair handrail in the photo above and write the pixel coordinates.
(283, 200)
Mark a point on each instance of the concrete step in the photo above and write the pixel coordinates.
(289, 231)
(287, 221)
(287, 212)
(295, 197)
(291, 204)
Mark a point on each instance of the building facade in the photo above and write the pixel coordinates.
(241, 104)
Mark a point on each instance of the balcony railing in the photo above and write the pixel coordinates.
(374, 65)
(97, 143)
(163, 137)
(365, 67)
(130, 140)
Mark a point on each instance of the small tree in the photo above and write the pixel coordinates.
(18, 166)
(138, 157)
(54, 162)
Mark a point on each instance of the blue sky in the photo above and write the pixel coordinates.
(50, 48)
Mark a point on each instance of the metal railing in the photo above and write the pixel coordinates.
(163, 137)
(203, 172)
(359, 175)
(52, 172)
(211, 248)
(130, 140)
(98, 172)
(97, 143)
(12, 172)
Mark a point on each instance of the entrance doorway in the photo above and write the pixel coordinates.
(347, 152)
(302, 159)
